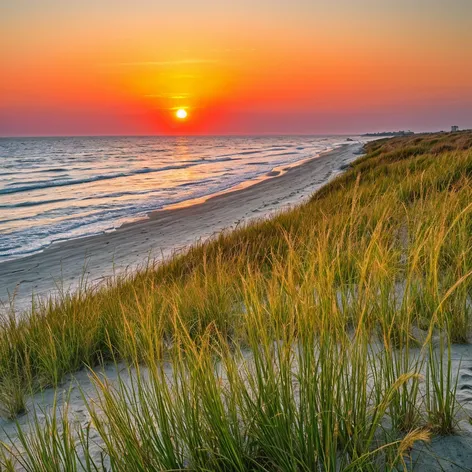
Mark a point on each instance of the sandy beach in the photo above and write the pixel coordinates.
(174, 229)
(164, 232)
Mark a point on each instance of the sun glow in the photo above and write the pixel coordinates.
(181, 114)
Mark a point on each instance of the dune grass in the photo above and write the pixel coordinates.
(316, 340)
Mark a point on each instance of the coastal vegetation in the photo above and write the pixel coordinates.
(319, 339)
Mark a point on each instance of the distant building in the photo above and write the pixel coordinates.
(454, 129)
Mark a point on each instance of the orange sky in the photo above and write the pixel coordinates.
(300, 66)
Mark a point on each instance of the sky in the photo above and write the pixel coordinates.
(116, 67)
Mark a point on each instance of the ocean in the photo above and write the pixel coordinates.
(55, 189)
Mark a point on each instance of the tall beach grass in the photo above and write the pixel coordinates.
(316, 340)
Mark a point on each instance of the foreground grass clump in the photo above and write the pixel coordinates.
(317, 340)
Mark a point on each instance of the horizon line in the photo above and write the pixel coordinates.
(145, 135)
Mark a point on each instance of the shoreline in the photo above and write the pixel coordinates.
(123, 334)
(164, 231)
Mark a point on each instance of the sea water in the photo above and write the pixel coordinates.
(54, 189)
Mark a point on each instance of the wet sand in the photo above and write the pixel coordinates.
(164, 232)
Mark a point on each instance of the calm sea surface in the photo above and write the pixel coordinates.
(54, 189)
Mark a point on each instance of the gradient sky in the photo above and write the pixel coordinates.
(110, 67)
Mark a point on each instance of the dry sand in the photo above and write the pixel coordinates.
(165, 231)
(451, 453)
(454, 452)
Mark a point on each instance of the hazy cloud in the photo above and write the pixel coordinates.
(163, 63)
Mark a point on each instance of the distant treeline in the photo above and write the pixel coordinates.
(390, 133)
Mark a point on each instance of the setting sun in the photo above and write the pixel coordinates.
(181, 114)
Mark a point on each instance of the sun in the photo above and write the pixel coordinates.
(181, 114)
